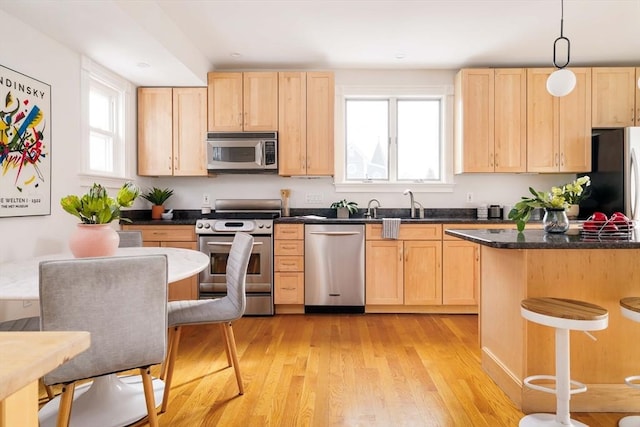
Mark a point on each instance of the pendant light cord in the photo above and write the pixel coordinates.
(562, 37)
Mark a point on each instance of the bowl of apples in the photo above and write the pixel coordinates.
(598, 226)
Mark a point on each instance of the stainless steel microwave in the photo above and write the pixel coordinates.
(242, 152)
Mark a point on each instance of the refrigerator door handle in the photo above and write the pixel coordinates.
(634, 183)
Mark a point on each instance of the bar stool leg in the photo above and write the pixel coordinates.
(562, 416)
(563, 379)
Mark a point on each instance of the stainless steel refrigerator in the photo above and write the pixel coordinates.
(614, 173)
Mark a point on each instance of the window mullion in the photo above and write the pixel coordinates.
(393, 139)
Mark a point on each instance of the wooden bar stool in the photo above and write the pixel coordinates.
(563, 315)
(630, 308)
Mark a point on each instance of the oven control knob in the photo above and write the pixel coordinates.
(268, 226)
(260, 225)
(207, 225)
(198, 225)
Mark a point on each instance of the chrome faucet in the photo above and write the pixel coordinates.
(375, 211)
(413, 204)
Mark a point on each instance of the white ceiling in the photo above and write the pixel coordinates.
(182, 40)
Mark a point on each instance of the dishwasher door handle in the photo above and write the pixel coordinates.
(336, 233)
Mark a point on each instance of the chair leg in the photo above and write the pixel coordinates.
(64, 410)
(48, 389)
(169, 364)
(234, 354)
(223, 329)
(163, 368)
(149, 397)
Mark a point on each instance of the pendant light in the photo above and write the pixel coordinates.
(562, 81)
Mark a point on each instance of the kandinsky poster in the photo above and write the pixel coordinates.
(25, 145)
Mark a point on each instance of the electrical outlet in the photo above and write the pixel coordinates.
(205, 200)
(314, 198)
(469, 197)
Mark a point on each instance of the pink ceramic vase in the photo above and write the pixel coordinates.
(93, 240)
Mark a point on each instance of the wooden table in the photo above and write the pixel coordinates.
(94, 402)
(25, 357)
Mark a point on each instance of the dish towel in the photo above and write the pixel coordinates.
(390, 228)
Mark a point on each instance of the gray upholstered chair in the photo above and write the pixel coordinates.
(221, 310)
(128, 324)
(129, 239)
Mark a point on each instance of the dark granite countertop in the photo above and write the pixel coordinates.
(538, 239)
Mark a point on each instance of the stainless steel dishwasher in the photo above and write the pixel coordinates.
(334, 268)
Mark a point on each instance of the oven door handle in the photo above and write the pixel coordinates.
(228, 243)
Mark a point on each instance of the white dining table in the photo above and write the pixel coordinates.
(110, 400)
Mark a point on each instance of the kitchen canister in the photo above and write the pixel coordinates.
(495, 212)
(482, 212)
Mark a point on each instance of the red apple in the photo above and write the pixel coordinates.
(610, 227)
(598, 216)
(589, 225)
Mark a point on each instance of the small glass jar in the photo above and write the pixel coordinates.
(555, 220)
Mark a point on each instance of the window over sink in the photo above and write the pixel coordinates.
(393, 138)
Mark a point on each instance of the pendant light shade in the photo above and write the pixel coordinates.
(562, 81)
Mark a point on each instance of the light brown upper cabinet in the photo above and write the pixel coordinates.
(490, 129)
(305, 123)
(558, 129)
(172, 127)
(616, 97)
(242, 101)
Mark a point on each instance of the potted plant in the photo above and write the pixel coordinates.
(157, 197)
(94, 236)
(553, 202)
(344, 208)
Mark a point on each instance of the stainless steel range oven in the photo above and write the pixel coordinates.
(214, 239)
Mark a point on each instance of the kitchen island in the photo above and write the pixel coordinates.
(515, 266)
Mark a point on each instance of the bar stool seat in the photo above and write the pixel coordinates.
(563, 315)
(630, 308)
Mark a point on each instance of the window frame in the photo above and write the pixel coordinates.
(124, 140)
(443, 92)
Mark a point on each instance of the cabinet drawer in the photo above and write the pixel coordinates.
(289, 288)
(288, 247)
(288, 263)
(407, 232)
(289, 231)
(165, 233)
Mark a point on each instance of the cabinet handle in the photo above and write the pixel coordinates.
(495, 156)
(400, 251)
(289, 289)
(562, 159)
(491, 157)
(556, 159)
(633, 119)
(288, 247)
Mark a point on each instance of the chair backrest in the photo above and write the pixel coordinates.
(130, 239)
(237, 271)
(121, 301)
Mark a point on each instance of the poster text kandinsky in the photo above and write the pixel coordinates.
(25, 145)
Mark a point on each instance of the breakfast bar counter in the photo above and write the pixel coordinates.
(515, 266)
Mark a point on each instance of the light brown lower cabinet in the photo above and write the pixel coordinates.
(288, 264)
(172, 236)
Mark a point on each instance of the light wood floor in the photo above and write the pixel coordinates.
(342, 370)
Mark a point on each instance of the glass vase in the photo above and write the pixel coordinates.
(555, 220)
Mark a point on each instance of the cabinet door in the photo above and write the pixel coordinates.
(189, 131)
(384, 275)
(224, 102)
(320, 131)
(155, 118)
(542, 123)
(292, 123)
(460, 272)
(260, 101)
(614, 94)
(422, 272)
(575, 125)
(474, 121)
(288, 288)
(510, 118)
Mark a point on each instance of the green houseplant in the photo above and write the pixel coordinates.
(344, 208)
(157, 196)
(96, 207)
(559, 198)
(93, 236)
